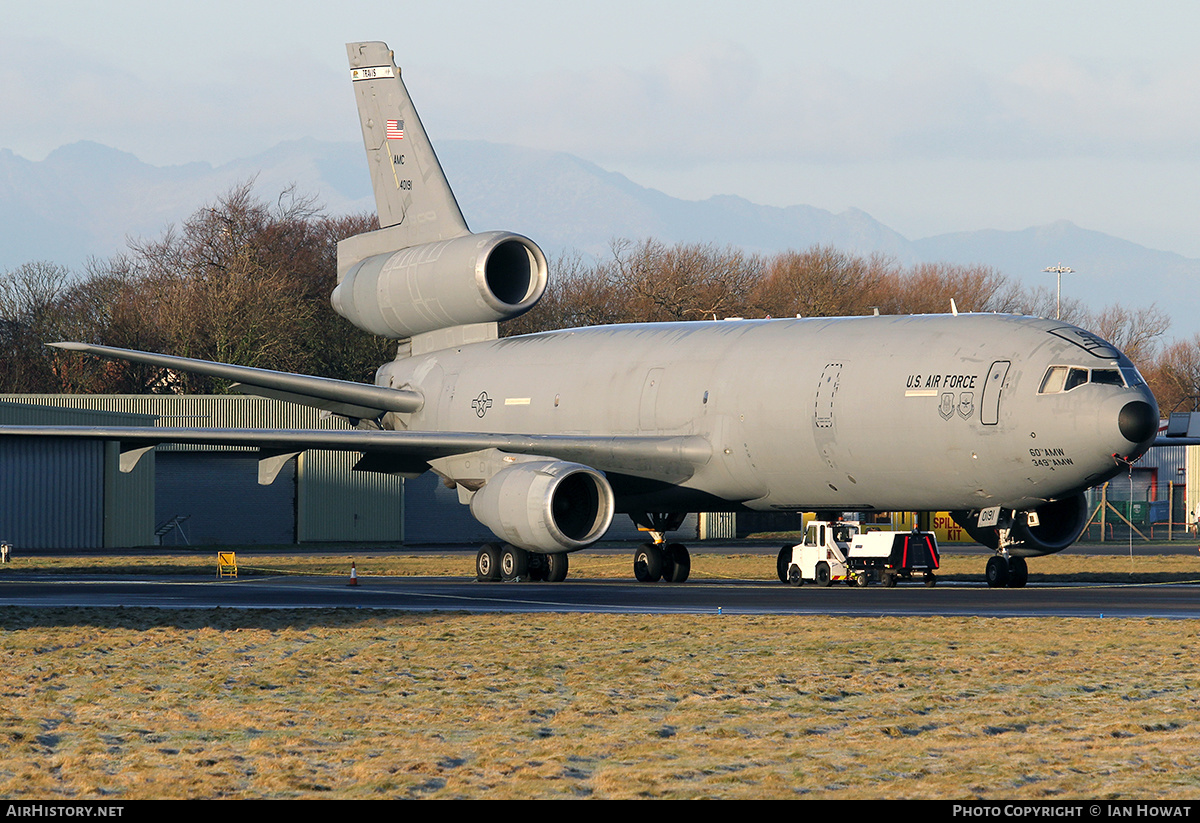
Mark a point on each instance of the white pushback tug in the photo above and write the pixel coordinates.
(839, 551)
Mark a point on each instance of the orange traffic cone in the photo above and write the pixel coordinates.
(353, 575)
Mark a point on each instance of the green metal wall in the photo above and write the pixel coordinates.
(333, 503)
(57, 493)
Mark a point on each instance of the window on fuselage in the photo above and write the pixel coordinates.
(1053, 382)
(1064, 378)
(1075, 379)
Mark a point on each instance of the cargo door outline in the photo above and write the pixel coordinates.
(826, 390)
(648, 407)
(989, 405)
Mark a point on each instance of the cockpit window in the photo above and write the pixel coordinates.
(1109, 377)
(1132, 376)
(1075, 378)
(1064, 378)
(1053, 382)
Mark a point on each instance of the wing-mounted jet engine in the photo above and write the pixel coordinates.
(1015, 535)
(423, 271)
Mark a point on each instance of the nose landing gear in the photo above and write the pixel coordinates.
(1010, 572)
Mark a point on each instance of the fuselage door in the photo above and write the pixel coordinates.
(989, 408)
(826, 391)
(648, 408)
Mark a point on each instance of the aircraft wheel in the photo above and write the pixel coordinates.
(782, 562)
(1018, 572)
(537, 566)
(667, 571)
(824, 576)
(931, 579)
(556, 567)
(681, 563)
(487, 563)
(647, 563)
(794, 576)
(997, 572)
(514, 564)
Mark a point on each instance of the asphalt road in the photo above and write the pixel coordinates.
(603, 596)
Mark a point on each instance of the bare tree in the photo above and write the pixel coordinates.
(689, 281)
(821, 282)
(31, 298)
(239, 282)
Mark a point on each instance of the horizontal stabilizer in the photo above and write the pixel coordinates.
(344, 397)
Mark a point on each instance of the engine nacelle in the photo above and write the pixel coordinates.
(546, 505)
(476, 278)
(1059, 524)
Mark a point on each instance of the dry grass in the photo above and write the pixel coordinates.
(136, 703)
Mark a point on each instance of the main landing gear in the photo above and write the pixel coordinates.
(1011, 572)
(660, 560)
(495, 562)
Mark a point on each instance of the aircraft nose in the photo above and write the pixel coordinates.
(1138, 421)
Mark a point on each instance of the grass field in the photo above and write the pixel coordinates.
(148, 703)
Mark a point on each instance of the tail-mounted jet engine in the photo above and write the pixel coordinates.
(546, 506)
(475, 278)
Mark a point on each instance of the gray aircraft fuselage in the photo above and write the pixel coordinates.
(862, 413)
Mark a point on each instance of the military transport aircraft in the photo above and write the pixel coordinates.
(1003, 420)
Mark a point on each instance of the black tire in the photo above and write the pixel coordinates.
(931, 579)
(996, 572)
(889, 579)
(1018, 572)
(514, 564)
(537, 567)
(862, 579)
(487, 563)
(681, 563)
(668, 563)
(647, 563)
(556, 567)
(823, 576)
(794, 576)
(782, 562)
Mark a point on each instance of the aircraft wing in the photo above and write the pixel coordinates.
(343, 397)
(664, 458)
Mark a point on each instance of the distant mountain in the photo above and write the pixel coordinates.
(1107, 269)
(86, 199)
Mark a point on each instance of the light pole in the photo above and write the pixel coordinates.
(1060, 270)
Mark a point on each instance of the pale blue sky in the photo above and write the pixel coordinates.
(932, 116)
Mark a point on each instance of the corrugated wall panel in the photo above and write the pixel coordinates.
(51, 493)
(336, 503)
(219, 494)
(434, 515)
(128, 499)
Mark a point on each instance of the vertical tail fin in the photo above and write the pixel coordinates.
(413, 199)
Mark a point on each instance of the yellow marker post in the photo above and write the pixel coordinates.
(226, 564)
